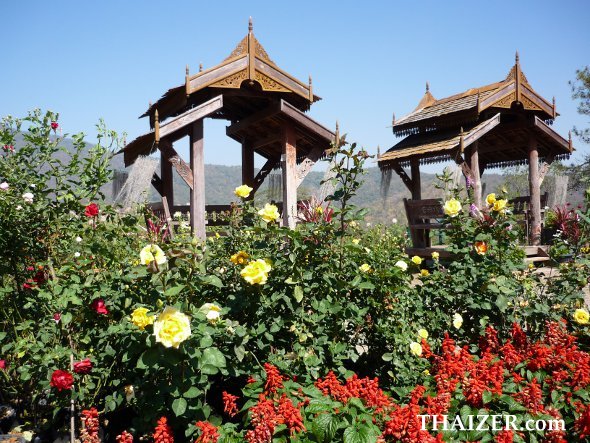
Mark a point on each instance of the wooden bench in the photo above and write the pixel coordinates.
(521, 207)
(424, 216)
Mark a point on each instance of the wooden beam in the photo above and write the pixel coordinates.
(289, 165)
(269, 111)
(402, 174)
(167, 187)
(416, 182)
(184, 170)
(310, 159)
(306, 121)
(190, 116)
(273, 138)
(548, 131)
(535, 191)
(263, 173)
(247, 164)
(157, 184)
(198, 220)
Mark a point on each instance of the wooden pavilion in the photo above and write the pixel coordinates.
(502, 124)
(266, 109)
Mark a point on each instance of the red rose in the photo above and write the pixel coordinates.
(54, 125)
(57, 317)
(91, 210)
(100, 307)
(61, 380)
(83, 367)
(3, 364)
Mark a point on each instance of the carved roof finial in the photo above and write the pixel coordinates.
(250, 25)
(392, 118)
(516, 58)
(187, 71)
(427, 87)
(337, 135)
(150, 104)
(378, 152)
(200, 67)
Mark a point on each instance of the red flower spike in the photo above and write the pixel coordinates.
(62, 380)
(163, 432)
(124, 437)
(90, 426)
(229, 404)
(208, 432)
(274, 379)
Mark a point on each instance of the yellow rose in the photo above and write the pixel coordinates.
(152, 253)
(356, 241)
(256, 273)
(500, 205)
(269, 213)
(416, 348)
(140, 318)
(365, 267)
(435, 255)
(211, 311)
(491, 199)
(319, 210)
(239, 258)
(452, 207)
(243, 191)
(581, 316)
(424, 272)
(172, 327)
(416, 260)
(457, 321)
(423, 333)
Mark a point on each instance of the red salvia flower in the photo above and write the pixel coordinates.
(290, 415)
(209, 432)
(163, 432)
(274, 379)
(124, 437)
(531, 397)
(229, 404)
(505, 436)
(90, 425)
(582, 423)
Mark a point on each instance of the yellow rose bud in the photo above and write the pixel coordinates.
(365, 267)
(452, 207)
(416, 349)
(256, 273)
(269, 213)
(491, 199)
(435, 255)
(140, 318)
(581, 316)
(355, 241)
(416, 260)
(243, 191)
(172, 327)
(239, 258)
(211, 311)
(423, 333)
(424, 272)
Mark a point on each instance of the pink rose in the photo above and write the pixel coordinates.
(100, 307)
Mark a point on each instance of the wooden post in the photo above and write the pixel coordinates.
(535, 192)
(474, 165)
(198, 192)
(248, 165)
(416, 185)
(166, 173)
(289, 170)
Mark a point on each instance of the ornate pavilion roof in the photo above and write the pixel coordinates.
(500, 116)
(249, 72)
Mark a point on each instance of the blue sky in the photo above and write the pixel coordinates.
(108, 59)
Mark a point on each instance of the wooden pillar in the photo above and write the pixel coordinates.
(289, 169)
(198, 191)
(474, 165)
(166, 174)
(416, 184)
(535, 191)
(247, 165)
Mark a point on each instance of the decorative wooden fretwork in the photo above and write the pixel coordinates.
(529, 104)
(505, 102)
(240, 49)
(261, 52)
(232, 81)
(268, 84)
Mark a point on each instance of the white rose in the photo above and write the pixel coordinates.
(78, 239)
(4, 186)
(402, 265)
(28, 197)
(76, 254)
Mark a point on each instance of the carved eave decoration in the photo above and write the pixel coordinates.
(249, 61)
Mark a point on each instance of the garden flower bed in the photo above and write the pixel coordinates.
(328, 332)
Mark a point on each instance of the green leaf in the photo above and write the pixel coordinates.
(324, 427)
(174, 290)
(213, 357)
(356, 435)
(192, 392)
(179, 406)
(148, 359)
(66, 318)
(298, 294)
(240, 352)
